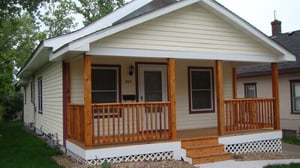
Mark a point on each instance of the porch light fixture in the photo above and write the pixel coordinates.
(131, 70)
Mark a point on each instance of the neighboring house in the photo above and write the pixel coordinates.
(148, 79)
(255, 81)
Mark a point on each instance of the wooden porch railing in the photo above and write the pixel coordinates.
(75, 122)
(248, 114)
(122, 122)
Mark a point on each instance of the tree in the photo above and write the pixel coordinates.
(93, 10)
(18, 38)
(58, 18)
(9, 8)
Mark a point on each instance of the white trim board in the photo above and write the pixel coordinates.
(180, 55)
(125, 150)
(250, 137)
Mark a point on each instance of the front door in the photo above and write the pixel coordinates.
(152, 83)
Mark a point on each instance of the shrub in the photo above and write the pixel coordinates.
(11, 105)
(1, 111)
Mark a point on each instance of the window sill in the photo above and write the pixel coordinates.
(201, 112)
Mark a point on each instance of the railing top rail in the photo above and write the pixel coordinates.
(123, 103)
(249, 99)
(129, 103)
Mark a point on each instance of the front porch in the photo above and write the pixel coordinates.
(150, 121)
(99, 124)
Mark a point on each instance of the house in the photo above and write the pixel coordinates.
(255, 81)
(154, 80)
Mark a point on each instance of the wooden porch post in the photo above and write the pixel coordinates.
(172, 97)
(87, 102)
(275, 92)
(220, 97)
(66, 101)
(234, 95)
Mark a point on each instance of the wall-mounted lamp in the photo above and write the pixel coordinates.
(131, 70)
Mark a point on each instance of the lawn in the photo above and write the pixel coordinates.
(292, 165)
(19, 148)
(291, 140)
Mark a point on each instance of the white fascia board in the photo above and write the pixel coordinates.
(29, 63)
(180, 55)
(102, 23)
(56, 55)
(223, 12)
(128, 24)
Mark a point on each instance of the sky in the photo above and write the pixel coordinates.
(260, 13)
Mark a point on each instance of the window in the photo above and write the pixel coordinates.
(25, 94)
(32, 91)
(250, 90)
(295, 96)
(201, 90)
(105, 86)
(40, 95)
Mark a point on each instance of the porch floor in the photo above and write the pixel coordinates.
(181, 135)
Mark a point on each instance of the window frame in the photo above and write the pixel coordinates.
(114, 112)
(245, 89)
(40, 95)
(292, 82)
(212, 98)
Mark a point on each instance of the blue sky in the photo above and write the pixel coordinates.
(260, 13)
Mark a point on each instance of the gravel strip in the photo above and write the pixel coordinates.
(68, 162)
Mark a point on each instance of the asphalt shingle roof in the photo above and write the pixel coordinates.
(291, 41)
(152, 6)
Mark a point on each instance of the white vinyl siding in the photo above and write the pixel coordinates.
(191, 29)
(51, 121)
(28, 106)
(76, 76)
(184, 119)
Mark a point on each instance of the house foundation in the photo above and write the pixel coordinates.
(235, 144)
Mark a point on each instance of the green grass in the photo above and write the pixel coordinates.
(19, 148)
(291, 140)
(292, 165)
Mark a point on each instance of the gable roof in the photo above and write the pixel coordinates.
(134, 13)
(289, 40)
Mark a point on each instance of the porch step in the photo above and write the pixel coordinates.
(204, 150)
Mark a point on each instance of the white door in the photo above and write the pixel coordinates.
(152, 82)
